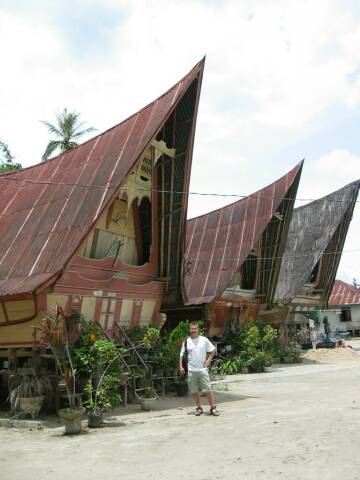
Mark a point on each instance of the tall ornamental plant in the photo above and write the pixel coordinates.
(60, 332)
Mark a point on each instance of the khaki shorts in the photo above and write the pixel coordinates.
(199, 381)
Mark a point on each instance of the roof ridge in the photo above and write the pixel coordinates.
(331, 194)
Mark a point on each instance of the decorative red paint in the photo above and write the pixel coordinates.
(41, 299)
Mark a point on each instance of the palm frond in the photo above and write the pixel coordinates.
(83, 132)
(52, 128)
(52, 146)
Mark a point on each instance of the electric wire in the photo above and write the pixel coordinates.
(195, 260)
(205, 194)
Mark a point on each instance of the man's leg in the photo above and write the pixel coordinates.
(193, 384)
(205, 385)
(210, 398)
(196, 397)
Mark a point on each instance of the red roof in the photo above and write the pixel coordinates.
(344, 294)
(43, 224)
(218, 243)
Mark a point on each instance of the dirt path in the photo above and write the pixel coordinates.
(300, 422)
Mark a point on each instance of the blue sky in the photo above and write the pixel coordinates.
(281, 83)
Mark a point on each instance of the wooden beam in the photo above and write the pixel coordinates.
(161, 147)
(171, 215)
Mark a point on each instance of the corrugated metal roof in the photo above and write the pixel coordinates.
(41, 225)
(344, 294)
(218, 243)
(316, 228)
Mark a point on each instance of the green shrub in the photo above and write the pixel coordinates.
(230, 366)
(257, 362)
(269, 338)
(151, 337)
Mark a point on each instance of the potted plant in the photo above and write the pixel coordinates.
(101, 398)
(287, 354)
(99, 359)
(257, 362)
(275, 353)
(151, 337)
(244, 364)
(60, 331)
(268, 361)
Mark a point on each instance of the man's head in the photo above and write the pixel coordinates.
(194, 329)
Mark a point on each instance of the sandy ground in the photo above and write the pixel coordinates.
(337, 355)
(298, 422)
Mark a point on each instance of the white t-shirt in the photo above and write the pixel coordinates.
(197, 350)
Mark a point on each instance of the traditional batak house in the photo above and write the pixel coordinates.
(315, 242)
(101, 227)
(233, 257)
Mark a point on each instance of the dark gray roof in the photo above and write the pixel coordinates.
(317, 228)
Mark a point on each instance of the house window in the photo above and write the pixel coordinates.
(145, 228)
(107, 313)
(345, 315)
(314, 274)
(248, 273)
(17, 310)
(108, 244)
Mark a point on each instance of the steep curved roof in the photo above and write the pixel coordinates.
(47, 210)
(344, 294)
(317, 228)
(218, 243)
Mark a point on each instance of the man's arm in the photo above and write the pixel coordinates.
(209, 359)
(181, 368)
(182, 351)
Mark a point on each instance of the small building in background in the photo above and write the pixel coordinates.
(343, 310)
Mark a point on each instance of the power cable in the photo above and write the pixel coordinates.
(211, 194)
(269, 258)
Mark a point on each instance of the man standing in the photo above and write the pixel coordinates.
(200, 353)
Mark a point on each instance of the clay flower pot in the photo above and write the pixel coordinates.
(72, 419)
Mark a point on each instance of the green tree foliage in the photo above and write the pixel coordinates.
(7, 163)
(269, 338)
(67, 130)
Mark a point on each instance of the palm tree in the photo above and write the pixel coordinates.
(68, 130)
